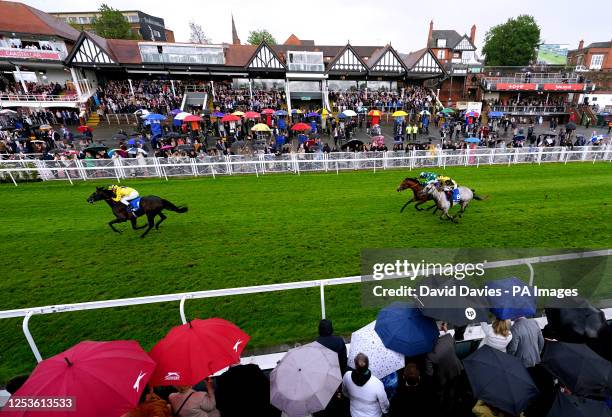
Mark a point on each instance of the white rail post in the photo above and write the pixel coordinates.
(322, 288)
(531, 274)
(28, 335)
(182, 309)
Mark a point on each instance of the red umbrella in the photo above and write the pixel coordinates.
(102, 378)
(83, 129)
(195, 350)
(192, 118)
(300, 127)
(230, 118)
(251, 115)
(267, 111)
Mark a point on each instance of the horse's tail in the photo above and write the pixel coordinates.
(169, 206)
(478, 197)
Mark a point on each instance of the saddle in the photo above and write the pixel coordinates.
(453, 196)
(135, 204)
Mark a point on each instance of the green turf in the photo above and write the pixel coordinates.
(244, 230)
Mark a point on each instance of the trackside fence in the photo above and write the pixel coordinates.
(294, 163)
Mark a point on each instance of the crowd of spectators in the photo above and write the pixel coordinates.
(39, 89)
(157, 96)
(228, 99)
(413, 99)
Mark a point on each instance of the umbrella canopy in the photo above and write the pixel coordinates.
(230, 118)
(261, 127)
(580, 369)
(305, 380)
(571, 406)
(119, 136)
(575, 320)
(253, 386)
(510, 305)
(238, 113)
(174, 112)
(141, 112)
(217, 114)
(117, 372)
(83, 129)
(300, 127)
(55, 150)
(135, 141)
(399, 113)
(173, 135)
(96, 148)
(154, 116)
(323, 112)
(166, 147)
(45, 127)
(495, 114)
(570, 126)
(471, 114)
(352, 144)
(185, 147)
(267, 111)
(383, 361)
(349, 113)
(403, 328)
(192, 118)
(280, 113)
(424, 113)
(447, 110)
(500, 379)
(313, 114)
(471, 140)
(296, 111)
(519, 137)
(181, 115)
(376, 113)
(252, 115)
(451, 309)
(191, 352)
(7, 111)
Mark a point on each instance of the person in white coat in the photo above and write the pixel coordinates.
(497, 334)
(365, 392)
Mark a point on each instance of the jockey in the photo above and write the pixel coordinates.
(448, 185)
(124, 195)
(427, 177)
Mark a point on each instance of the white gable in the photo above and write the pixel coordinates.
(265, 59)
(427, 64)
(90, 53)
(388, 63)
(465, 45)
(348, 61)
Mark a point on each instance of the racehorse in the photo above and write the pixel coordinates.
(150, 205)
(442, 203)
(418, 193)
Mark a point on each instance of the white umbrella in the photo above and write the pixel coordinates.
(182, 115)
(142, 112)
(382, 361)
(305, 380)
(424, 112)
(7, 111)
(349, 113)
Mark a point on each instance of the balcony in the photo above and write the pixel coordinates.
(530, 110)
(34, 54)
(44, 100)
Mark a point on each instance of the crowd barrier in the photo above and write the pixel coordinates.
(295, 163)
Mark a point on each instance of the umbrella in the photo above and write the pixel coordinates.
(173, 135)
(95, 148)
(451, 309)
(119, 136)
(349, 113)
(192, 118)
(174, 112)
(267, 111)
(185, 147)
(471, 114)
(383, 361)
(261, 127)
(230, 118)
(519, 137)
(280, 113)
(570, 126)
(238, 144)
(313, 114)
(112, 151)
(182, 115)
(135, 141)
(447, 110)
(424, 113)
(117, 372)
(324, 112)
(571, 406)
(141, 112)
(305, 380)
(45, 127)
(154, 116)
(399, 113)
(296, 111)
(471, 140)
(511, 303)
(78, 136)
(166, 147)
(575, 320)
(217, 114)
(7, 111)
(55, 150)
(495, 114)
(83, 129)
(376, 113)
(238, 113)
(252, 115)
(191, 352)
(403, 328)
(500, 379)
(253, 386)
(37, 141)
(580, 369)
(300, 127)
(352, 144)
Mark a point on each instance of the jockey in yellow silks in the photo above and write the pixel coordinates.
(448, 185)
(123, 194)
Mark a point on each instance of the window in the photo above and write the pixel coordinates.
(132, 19)
(157, 34)
(596, 61)
(441, 43)
(441, 54)
(466, 56)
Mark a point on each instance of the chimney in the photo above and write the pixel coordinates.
(581, 44)
(430, 32)
(473, 34)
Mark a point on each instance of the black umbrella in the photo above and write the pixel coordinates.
(250, 383)
(354, 143)
(185, 148)
(173, 135)
(8, 128)
(78, 136)
(238, 144)
(55, 151)
(95, 148)
(575, 320)
(570, 406)
(570, 126)
(120, 136)
(451, 309)
(500, 379)
(580, 369)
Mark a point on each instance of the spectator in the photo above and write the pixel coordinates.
(366, 393)
(189, 403)
(482, 409)
(527, 341)
(335, 343)
(414, 396)
(497, 335)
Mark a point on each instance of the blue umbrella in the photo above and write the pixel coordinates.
(515, 299)
(500, 379)
(155, 116)
(341, 116)
(403, 328)
(313, 114)
(571, 406)
(519, 137)
(134, 141)
(176, 111)
(495, 114)
(217, 114)
(280, 113)
(471, 140)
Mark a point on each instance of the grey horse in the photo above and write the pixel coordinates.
(465, 196)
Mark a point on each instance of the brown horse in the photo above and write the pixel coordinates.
(418, 192)
(150, 205)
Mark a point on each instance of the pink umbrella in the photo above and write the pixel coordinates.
(251, 115)
(192, 118)
(166, 147)
(100, 378)
(267, 111)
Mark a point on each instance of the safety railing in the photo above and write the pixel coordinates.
(120, 118)
(537, 77)
(262, 164)
(530, 109)
(38, 97)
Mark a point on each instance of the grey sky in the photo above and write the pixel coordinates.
(365, 22)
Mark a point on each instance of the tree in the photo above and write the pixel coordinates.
(197, 33)
(258, 36)
(112, 24)
(513, 43)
